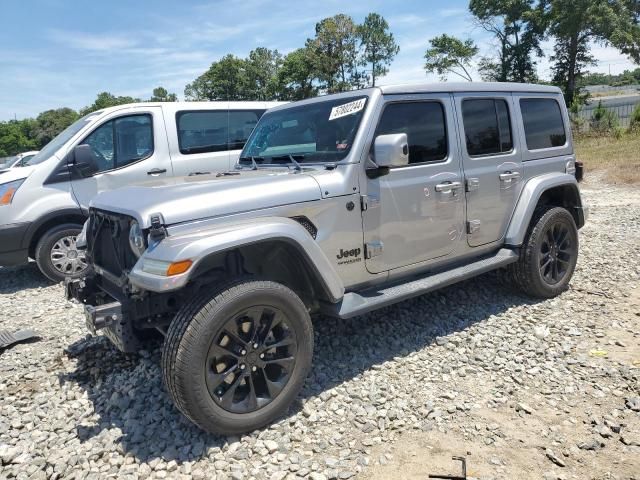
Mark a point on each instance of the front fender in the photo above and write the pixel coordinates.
(531, 194)
(199, 244)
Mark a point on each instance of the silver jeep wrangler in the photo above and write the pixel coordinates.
(339, 205)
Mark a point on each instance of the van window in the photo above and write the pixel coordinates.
(543, 123)
(241, 124)
(203, 131)
(487, 127)
(122, 141)
(424, 124)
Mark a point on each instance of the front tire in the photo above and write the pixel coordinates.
(56, 253)
(549, 254)
(235, 359)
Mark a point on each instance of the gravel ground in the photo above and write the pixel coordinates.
(531, 389)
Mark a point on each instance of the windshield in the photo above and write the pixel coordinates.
(62, 138)
(6, 162)
(320, 132)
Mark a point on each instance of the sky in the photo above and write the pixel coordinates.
(56, 53)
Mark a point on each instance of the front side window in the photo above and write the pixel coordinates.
(425, 126)
(121, 141)
(487, 127)
(203, 131)
(543, 123)
(316, 132)
(241, 124)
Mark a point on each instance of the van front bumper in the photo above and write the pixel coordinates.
(12, 251)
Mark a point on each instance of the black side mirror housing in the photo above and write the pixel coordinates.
(83, 161)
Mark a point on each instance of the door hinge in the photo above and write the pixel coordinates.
(364, 203)
(373, 249)
(473, 184)
(473, 226)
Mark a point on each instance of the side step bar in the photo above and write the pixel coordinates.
(354, 304)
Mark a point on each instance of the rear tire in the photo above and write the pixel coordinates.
(549, 254)
(56, 253)
(236, 358)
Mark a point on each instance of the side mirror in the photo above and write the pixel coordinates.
(391, 150)
(84, 161)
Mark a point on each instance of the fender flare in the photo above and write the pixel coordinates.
(197, 245)
(48, 217)
(528, 201)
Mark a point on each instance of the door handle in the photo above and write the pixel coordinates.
(448, 187)
(508, 177)
(157, 171)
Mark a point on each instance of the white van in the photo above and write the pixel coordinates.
(44, 204)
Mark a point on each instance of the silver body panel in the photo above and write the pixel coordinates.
(408, 227)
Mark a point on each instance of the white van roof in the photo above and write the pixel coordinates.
(179, 106)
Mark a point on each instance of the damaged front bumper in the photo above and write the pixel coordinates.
(103, 313)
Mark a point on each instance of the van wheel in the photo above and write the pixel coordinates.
(549, 254)
(56, 253)
(235, 359)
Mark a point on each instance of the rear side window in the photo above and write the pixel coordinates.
(487, 127)
(122, 141)
(241, 124)
(203, 131)
(543, 123)
(425, 126)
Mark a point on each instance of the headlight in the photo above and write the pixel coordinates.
(136, 239)
(8, 190)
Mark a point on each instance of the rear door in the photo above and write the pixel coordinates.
(130, 148)
(492, 161)
(416, 212)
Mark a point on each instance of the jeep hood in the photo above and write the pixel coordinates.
(186, 199)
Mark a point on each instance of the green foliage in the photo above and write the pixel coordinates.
(604, 121)
(518, 27)
(450, 55)
(16, 137)
(296, 76)
(577, 24)
(50, 123)
(335, 54)
(106, 100)
(262, 68)
(379, 46)
(160, 94)
(634, 126)
(628, 77)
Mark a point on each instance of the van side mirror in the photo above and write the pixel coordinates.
(391, 151)
(84, 161)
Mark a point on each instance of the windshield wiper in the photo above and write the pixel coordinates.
(254, 165)
(296, 166)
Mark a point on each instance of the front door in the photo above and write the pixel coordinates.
(129, 148)
(416, 212)
(492, 162)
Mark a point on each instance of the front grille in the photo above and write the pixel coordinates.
(108, 242)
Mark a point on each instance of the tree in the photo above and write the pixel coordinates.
(576, 24)
(50, 123)
(518, 27)
(378, 45)
(105, 100)
(297, 77)
(226, 79)
(335, 54)
(450, 55)
(15, 137)
(262, 73)
(160, 94)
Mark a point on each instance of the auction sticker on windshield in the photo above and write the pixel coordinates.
(347, 109)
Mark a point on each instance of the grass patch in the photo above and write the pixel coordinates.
(618, 157)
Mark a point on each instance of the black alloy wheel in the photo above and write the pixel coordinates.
(556, 253)
(251, 359)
